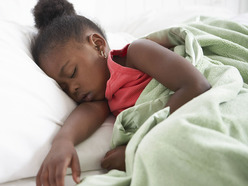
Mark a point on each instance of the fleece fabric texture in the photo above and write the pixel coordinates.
(205, 142)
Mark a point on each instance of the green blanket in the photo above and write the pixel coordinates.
(205, 142)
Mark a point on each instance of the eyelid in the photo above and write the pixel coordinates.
(74, 72)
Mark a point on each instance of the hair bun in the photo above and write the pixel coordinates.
(45, 11)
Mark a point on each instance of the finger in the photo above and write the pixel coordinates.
(115, 159)
(38, 181)
(105, 164)
(110, 152)
(51, 175)
(59, 178)
(75, 168)
(44, 177)
(61, 172)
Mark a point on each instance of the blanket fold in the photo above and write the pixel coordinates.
(205, 142)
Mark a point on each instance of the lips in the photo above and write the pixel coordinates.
(86, 97)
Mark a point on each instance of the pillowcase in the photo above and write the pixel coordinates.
(33, 109)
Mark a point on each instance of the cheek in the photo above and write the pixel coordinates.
(86, 78)
(92, 80)
(88, 73)
(49, 69)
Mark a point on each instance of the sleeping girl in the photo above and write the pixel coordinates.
(74, 51)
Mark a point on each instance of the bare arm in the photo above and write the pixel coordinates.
(83, 121)
(80, 124)
(170, 69)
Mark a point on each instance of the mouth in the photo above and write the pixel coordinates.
(86, 97)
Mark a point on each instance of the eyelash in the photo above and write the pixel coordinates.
(74, 73)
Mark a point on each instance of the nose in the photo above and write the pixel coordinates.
(73, 88)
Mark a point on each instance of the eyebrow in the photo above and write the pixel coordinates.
(63, 68)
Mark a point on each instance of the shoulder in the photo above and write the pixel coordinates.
(139, 51)
(146, 52)
(139, 45)
(145, 48)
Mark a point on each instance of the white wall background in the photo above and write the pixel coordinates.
(132, 16)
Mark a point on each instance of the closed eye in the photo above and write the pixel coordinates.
(74, 73)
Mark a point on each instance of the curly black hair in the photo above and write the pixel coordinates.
(45, 11)
(57, 23)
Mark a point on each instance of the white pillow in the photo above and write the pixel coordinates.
(33, 108)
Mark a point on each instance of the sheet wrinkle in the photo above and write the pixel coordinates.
(204, 142)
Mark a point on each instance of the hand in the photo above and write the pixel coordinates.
(53, 169)
(115, 159)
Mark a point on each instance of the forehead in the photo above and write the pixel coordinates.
(53, 61)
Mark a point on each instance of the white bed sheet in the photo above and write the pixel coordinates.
(68, 179)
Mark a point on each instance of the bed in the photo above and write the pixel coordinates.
(33, 107)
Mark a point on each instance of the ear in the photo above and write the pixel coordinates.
(97, 41)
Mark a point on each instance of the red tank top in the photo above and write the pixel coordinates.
(124, 85)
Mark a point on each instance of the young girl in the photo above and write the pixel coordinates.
(74, 51)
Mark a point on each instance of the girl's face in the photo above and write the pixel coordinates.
(79, 68)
